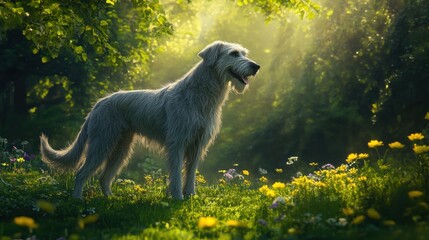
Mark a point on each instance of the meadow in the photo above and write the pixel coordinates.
(378, 194)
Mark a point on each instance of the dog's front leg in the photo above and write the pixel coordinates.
(191, 166)
(175, 160)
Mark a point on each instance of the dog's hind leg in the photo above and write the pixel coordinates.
(116, 161)
(99, 149)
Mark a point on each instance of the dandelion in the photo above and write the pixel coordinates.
(362, 178)
(279, 170)
(87, 220)
(292, 231)
(415, 194)
(389, 223)
(375, 143)
(352, 157)
(139, 188)
(416, 136)
(313, 164)
(419, 149)
(245, 172)
(279, 185)
(396, 145)
(26, 222)
(374, 214)
(236, 224)
(348, 211)
(267, 191)
(358, 220)
(207, 222)
(263, 179)
(247, 182)
(46, 206)
(427, 116)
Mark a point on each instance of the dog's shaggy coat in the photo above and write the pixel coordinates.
(182, 119)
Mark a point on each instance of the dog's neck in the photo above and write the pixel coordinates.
(215, 85)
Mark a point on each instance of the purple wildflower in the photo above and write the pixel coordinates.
(328, 166)
(28, 157)
(274, 205)
(262, 222)
(12, 159)
(228, 176)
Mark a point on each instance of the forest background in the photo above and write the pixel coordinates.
(334, 74)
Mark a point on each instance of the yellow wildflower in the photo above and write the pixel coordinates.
(279, 185)
(375, 143)
(5, 164)
(263, 179)
(200, 179)
(363, 155)
(222, 171)
(25, 222)
(389, 223)
(88, 219)
(20, 160)
(313, 164)
(292, 231)
(279, 170)
(351, 157)
(267, 191)
(359, 219)
(362, 178)
(427, 116)
(414, 194)
(245, 172)
(247, 182)
(207, 222)
(396, 145)
(348, 211)
(139, 188)
(236, 224)
(46, 206)
(419, 149)
(374, 214)
(235, 165)
(416, 136)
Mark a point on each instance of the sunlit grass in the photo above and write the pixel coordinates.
(369, 195)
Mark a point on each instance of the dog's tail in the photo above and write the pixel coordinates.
(68, 158)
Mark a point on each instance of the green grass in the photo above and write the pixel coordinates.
(370, 196)
(143, 211)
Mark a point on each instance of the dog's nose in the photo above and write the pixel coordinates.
(255, 67)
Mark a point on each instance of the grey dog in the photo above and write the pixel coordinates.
(181, 119)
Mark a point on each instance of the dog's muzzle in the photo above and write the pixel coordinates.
(245, 78)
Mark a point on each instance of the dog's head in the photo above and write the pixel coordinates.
(231, 62)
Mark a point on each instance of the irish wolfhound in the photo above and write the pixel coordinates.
(180, 119)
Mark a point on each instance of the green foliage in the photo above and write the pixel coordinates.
(363, 198)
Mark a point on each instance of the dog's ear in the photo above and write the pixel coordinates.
(211, 53)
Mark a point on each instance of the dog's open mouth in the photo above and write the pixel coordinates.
(242, 79)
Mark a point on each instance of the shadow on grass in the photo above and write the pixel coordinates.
(128, 212)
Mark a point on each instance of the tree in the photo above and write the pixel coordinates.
(55, 52)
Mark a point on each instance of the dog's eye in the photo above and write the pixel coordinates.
(234, 53)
